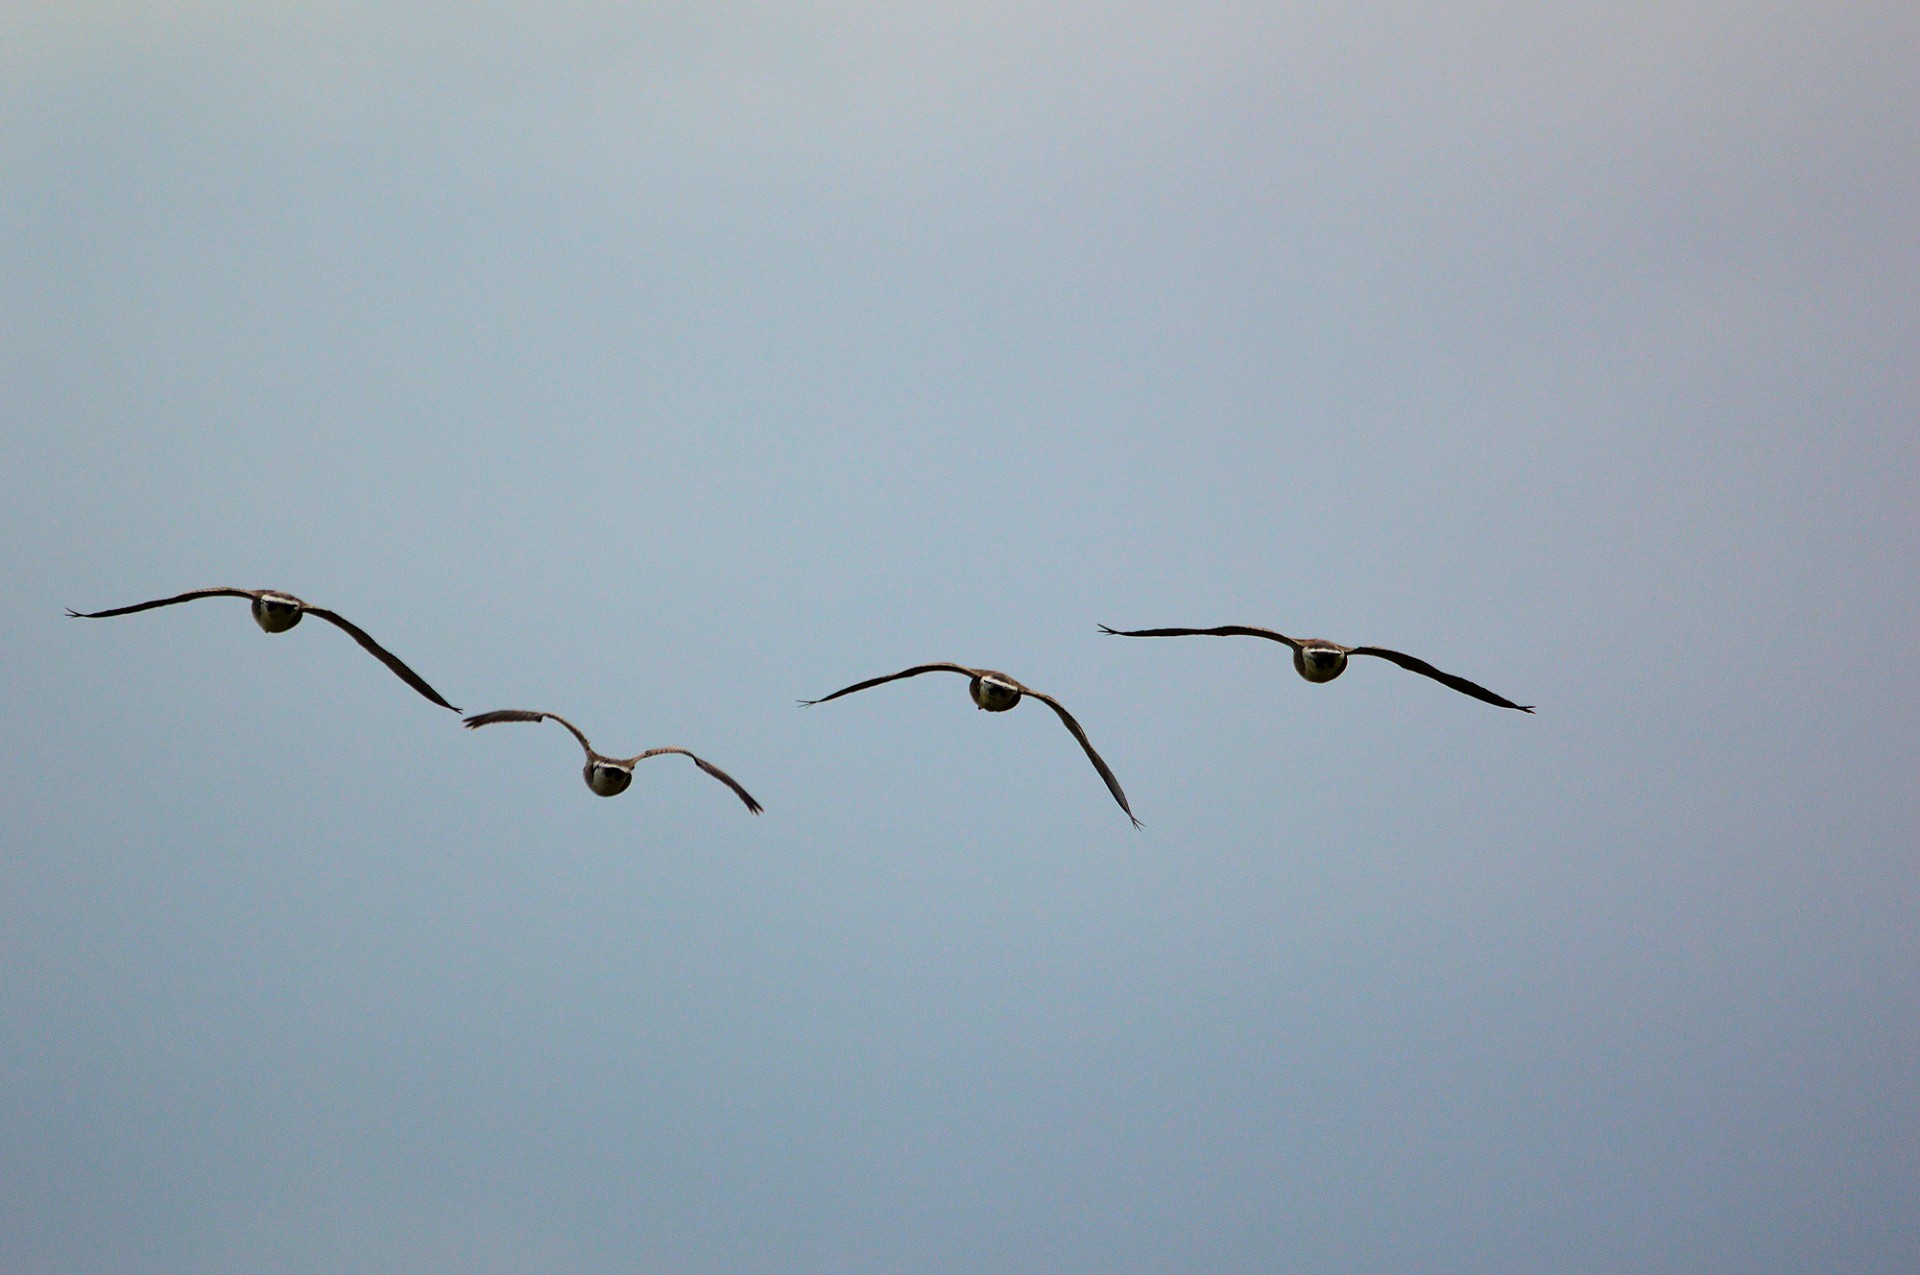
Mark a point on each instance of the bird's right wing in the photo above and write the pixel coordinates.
(1461, 684)
(381, 653)
(1066, 719)
(710, 768)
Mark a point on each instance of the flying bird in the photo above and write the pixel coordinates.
(276, 612)
(1319, 660)
(609, 776)
(996, 693)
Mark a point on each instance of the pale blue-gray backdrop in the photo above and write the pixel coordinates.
(664, 364)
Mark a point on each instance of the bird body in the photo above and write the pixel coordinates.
(1318, 660)
(994, 692)
(276, 612)
(608, 780)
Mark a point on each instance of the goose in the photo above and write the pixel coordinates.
(995, 692)
(1319, 660)
(276, 612)
(608, 776)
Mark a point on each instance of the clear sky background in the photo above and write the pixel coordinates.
(661, 365)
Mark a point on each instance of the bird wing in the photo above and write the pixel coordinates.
(915, 671)
(380, 653)
(1460, 684)
(165, 602)
(1225, 630)
(1066, 718)
(707, 766)
(527, 715)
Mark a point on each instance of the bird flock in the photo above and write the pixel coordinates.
(1315, 659)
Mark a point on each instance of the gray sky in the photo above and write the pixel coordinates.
(661, 368)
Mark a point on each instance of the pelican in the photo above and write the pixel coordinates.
(1319, 660)
(996, 693)
(608, 776)
(276, 612)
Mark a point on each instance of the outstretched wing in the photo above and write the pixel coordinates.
(707, 766)
(1460, 684)
(164, 602)
(915, 671)
(1225, 630)
(1066, 718)
(526, 715)
(381, 653)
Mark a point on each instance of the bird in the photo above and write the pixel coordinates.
(276, 612)
(1319, 660)
(995, 692)
(609, 776)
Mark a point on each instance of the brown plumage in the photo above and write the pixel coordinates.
(609, 776)
(1319, 660)
(996, 693)
(276, 612)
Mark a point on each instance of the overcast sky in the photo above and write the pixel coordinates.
(661, 365)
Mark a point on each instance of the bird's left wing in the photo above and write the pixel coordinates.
(915, 671)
